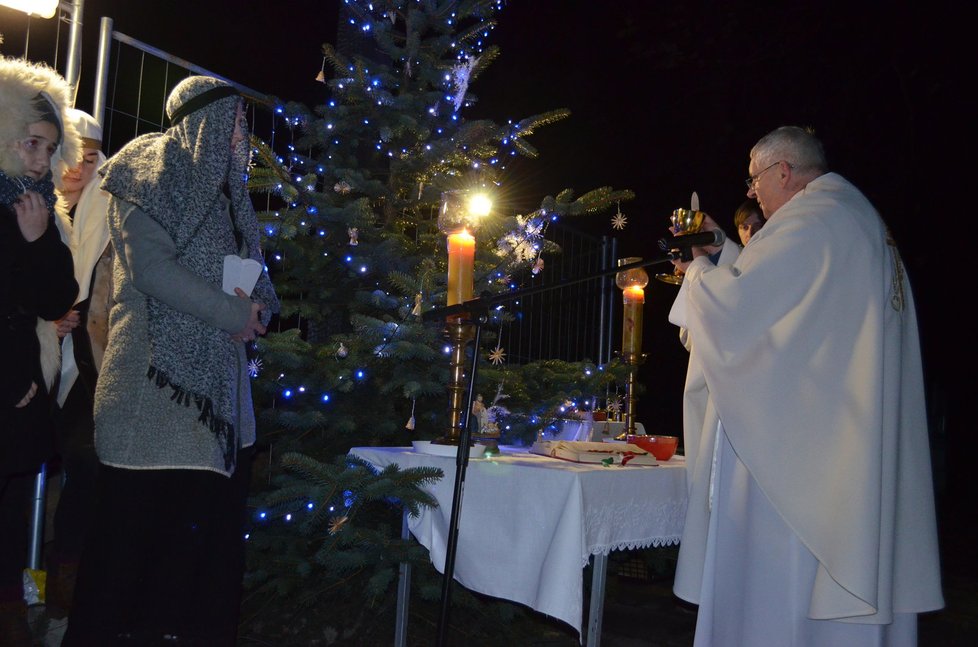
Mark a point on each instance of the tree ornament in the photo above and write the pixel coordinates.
(416, 310)
(337, 524)
(342, 187)
(619, 220)
(533, 228)
(538, 265)
(254, 367)
(615, 405)
(353, 232)
(497, 356)
(342, 352)
(321, 77)
(460, 75)
(480, 413)
(410, 422)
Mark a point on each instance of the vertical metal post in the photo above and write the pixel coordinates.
(599, 577)
(603, 296)
(73, 61)
(37, 519)
(102, 70)
(461, 464)
(403, 590)
(610, 304)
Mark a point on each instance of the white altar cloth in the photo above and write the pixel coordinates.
(529, 524)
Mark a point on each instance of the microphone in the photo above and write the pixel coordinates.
(703, 238)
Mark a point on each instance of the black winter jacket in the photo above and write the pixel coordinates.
(36, 280)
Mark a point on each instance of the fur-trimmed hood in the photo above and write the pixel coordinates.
(20, 83)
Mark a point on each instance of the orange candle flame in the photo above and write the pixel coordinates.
(633, 294)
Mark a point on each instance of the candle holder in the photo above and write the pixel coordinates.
(459, 334)
(458, 217)
(632, 284)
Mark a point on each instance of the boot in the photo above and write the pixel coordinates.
(15, 631)
(60, 589)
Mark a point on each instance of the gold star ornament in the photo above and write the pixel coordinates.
(497, 356)
(337, 524)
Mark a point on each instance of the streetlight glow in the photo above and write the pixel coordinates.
(41, 8)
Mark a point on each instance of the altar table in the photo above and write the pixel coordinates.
(529, 524)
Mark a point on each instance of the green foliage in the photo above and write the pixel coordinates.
(356, 255)
(325, 526)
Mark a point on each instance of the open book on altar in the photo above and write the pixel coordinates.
(586, 452)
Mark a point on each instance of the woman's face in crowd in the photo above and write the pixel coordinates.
(749, 227)
(77, 178)
(36, 149)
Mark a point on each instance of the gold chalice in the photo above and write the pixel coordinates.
(684, 221)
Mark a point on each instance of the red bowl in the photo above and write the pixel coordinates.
(662, 447)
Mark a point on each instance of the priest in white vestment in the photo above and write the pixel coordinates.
(811, 509)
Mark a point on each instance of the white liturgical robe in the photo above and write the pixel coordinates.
(805, 358)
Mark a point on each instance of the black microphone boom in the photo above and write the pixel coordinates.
(702, 239)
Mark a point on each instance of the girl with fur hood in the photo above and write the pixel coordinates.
(37, 286)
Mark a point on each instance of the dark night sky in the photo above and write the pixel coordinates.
(667, 98)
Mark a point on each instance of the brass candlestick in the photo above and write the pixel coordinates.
(460, 214)
(634, 360)
(632, 284)
(459, 334)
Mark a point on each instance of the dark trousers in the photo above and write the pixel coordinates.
(76, 445)
(164, 559)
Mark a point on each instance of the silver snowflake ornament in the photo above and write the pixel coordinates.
(254, 367)
(619, 221)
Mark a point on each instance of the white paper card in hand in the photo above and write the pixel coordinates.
(240, 273)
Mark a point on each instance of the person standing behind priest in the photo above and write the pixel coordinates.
(174, 418)
(748, 220)
(811, 509)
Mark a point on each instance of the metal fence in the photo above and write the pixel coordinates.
(132, 81)
(571, 322)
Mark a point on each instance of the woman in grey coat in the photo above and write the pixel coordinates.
(173, 411)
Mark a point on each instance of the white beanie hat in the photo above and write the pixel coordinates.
(87, 127)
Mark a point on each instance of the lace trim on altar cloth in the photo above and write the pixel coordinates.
(646, 526)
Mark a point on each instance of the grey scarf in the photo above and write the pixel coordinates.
(177, 178)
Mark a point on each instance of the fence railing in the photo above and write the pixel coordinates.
(570, 323)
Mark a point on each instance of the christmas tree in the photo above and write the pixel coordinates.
(354, 247)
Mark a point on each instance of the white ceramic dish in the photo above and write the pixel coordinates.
(428, 447)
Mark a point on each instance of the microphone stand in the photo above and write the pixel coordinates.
(476, 312)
